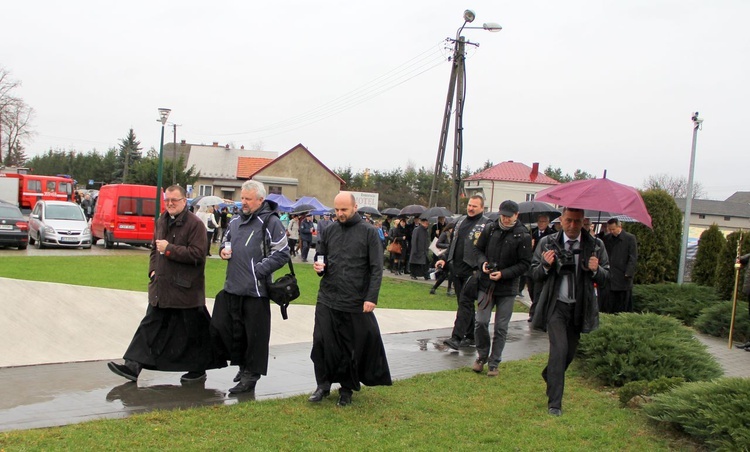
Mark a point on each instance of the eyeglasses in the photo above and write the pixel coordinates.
(172, 200)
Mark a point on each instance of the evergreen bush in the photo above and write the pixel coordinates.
(725, 265)
(644, 390)
(629, 347)
(715, 321)
(658, 248)
(711, 243)
(714, 412)
(681, 301)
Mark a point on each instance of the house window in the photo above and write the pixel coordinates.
(701, 216)
(727, 218)
(206, 190)
(274, 190)
(530, 196)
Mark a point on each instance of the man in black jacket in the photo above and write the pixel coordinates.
(463, 265)
(570, 264)
(504, 254)
(347, 346)
(623, 258)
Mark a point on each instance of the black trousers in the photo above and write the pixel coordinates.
(466, 294)
(618, 301)
(563, 342)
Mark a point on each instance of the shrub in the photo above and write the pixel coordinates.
(684, 302)
(714, 412)
(725, 265)
(644, 390)
(658, 248)
(709, 247)
(715, 321)
(629, 347)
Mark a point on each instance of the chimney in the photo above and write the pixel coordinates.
(226, 147)
(534, 171)
(242, 147)
(183, 142)
(216, 144)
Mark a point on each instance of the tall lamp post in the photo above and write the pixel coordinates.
(163, 115)
(688, 201)
(456, 87)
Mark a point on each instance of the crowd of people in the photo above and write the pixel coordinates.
(571, 274)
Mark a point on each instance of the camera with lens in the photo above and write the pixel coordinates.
(565, 260)
(493, 267)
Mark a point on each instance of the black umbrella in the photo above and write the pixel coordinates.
(303, 208)
(529, 211)
(413, 210)
(391, 212)
(437, 212)
(369, 210)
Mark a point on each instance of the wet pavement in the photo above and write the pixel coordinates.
(59, 394)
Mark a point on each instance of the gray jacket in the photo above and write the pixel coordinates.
(249, 270)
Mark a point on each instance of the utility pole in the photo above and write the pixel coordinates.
(174, 153)
(688, 201)
(457, 89)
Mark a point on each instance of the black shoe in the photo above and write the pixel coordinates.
(123, 370)
(745, 345)
(432, 291)
(246, 384)
(529, 319)
(345, 398)
(555, 412)
(452, 343)
(193, 376)
(238, 377)
(450, 293)
(413, 277)
(466, 342)
(320, 394)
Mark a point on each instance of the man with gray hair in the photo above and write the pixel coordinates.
(254, 246)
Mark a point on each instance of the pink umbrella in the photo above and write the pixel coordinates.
(598, 194)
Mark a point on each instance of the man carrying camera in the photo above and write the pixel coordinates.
(504, 254)
(570, 264)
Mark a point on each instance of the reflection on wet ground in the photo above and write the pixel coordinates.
(59, 394)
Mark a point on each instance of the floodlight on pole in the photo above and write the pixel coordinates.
(163, 115)
(455, 87)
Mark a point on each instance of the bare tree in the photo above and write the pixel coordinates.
(676, 186)
(15, 116)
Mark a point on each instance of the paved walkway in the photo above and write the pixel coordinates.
(57, 339)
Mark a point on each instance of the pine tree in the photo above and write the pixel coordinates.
(129, 154)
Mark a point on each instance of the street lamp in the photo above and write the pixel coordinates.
(688, 201)
(457, 87)
(163, 115)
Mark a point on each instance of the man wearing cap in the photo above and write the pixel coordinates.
(323, 223)
(420, 242)
(503, 254)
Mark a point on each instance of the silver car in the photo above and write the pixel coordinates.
(59, 223)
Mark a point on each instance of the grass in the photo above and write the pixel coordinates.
(129, 272)
(451, 410)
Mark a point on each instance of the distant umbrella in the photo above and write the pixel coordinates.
(413, 210)
(303, 208)
(369, 210)
(391, 212)
(204, 201)
(436, 212)
(529, 211)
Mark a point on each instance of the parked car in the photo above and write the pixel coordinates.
(59, 223)
(14, 229)
(125, 214)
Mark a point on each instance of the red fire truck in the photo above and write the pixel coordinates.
(30, 188)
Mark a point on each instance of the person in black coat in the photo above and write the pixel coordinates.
(504, 254)
(541, 230)
(418, 254)
(569, 265)
(622, 251)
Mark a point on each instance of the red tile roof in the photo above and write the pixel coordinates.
(247, 166)
(512, 172)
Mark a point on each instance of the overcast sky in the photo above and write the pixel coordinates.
(596, 85)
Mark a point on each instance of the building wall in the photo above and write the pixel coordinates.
(495, 192)
(733, 224)
(313, 179)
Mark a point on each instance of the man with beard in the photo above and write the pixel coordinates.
(463, 265)
(347, 346)
(174, 334)
(241, 323)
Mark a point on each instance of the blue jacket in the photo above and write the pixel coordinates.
(249, 271)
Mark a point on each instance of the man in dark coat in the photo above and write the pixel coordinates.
(462, 262)
(541, 230)
(623, 258)
(241, 323)
(570, 264)
(306, 227)
(347, 346)
(504, 254)
(419, 245)
(174, 335)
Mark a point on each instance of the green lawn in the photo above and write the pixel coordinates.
(130, 273)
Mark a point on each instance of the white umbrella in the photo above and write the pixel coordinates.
(204, 201)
